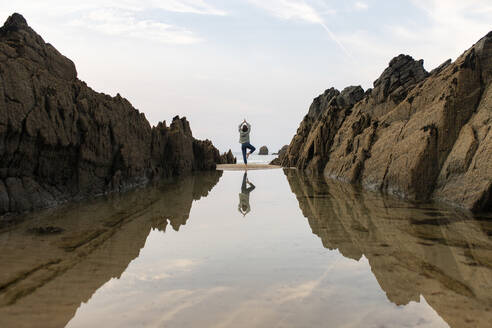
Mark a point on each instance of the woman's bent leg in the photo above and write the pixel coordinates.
(251, 148)
(243, 148)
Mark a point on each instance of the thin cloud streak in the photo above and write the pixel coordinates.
(338, 42)
(299, 9)
(199, 7)
(289, 9)
(123, 18)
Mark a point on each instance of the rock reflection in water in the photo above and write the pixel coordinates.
(440, 254)
(58, 258)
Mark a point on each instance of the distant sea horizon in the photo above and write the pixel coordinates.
(254, 158)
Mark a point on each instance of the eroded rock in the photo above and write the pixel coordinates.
(280, 155)
(60, 140)
(419, 135)
(228, 158)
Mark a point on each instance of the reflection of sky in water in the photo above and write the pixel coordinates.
(264, 270)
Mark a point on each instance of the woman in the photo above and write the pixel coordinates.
(244, 129)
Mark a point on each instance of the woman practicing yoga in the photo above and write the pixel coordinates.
(244, 129)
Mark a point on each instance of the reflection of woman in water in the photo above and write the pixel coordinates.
(243, 206)
(244, 129)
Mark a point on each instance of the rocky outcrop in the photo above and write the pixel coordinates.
(280, 155)
(419, 135)
(263, 150)
(434, 252)
(311, 145)
(61, 140)
(228, 158)
(283, 150)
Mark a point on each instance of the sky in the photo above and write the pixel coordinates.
(218, 62)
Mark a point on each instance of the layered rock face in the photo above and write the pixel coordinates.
(228, 158)
(311, 145)
(416, 134)
(280, 155)
(61, 140)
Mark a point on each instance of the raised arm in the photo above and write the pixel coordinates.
(241, 124)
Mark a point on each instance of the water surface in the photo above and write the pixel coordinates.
(307, 254)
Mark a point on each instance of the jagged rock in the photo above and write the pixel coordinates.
(228, 158)
(280, 155)
(418, 135)
(263, 150)
(350, 96)
(283, 150)
(310, 146)
(439, 68)
(60, 140)
(401, 75)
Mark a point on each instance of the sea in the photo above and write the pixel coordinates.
(255, 158)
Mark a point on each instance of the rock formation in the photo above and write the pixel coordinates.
(416, 134)
(432, 252)
(263, 150)
(60, 140)
(228, 158)
(280, 155)
(283, 150)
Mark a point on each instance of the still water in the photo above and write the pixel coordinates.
(308, 253)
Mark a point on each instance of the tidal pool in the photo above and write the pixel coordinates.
(287, 250)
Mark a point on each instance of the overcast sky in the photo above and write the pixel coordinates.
(219, 61)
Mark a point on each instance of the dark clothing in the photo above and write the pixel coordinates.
(245, 146)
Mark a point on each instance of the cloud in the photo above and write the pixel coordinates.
(200, 7)
(359, 5)
(118, 22)
(300, 10)
(454, 23)
(119, 18)
(459, 17)
(439, 30)
(188, 6)
(289, 9)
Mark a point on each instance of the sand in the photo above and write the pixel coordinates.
(242, 167)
